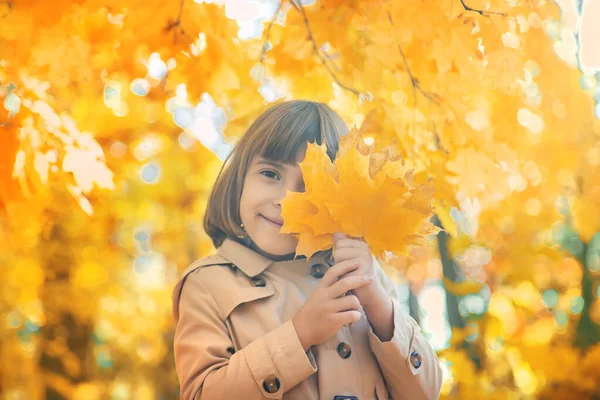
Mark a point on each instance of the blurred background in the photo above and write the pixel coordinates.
(116, 117)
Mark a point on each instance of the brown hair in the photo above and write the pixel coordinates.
(276, 134)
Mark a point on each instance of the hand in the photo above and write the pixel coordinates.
(327, 308)
(357, 250)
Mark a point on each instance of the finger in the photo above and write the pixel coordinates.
(352, 243)
(347, 317)
(346, 303)
(346, 253)
(339, 269)
(348, 283)
(338, 236)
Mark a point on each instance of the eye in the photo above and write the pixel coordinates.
(270, 174)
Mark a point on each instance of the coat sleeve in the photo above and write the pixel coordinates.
(405, 379)
(266, 368)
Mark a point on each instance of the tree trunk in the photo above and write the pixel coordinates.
(587, 332)
(61, 372)
(449, 269)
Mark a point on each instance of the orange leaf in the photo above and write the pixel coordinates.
(363, 194)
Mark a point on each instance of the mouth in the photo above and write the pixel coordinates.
(277, 223)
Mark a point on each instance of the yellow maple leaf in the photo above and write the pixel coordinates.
(365, 193)
(462, 288)
(443, 213)
(307, 209)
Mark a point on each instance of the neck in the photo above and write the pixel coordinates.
(287, 257)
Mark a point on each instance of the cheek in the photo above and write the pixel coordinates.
(251, 196)
(245, 201)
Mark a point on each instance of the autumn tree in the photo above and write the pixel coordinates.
(117, 115)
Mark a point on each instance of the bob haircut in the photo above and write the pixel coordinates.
(276, 134)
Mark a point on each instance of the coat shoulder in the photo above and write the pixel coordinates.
(220, 277)
(198, 270)
(214, 259)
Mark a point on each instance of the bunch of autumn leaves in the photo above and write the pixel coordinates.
(375, 195)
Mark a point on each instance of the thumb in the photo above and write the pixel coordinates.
(337, 236)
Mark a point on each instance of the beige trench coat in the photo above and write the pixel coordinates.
(234, 337)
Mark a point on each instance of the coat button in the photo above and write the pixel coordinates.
(415, 359)
(318, 270)
(271, 384)
(344, 350)
(258, 281)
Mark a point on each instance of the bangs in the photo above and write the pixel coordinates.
(290, 134)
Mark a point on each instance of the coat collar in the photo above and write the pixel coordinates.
(250, 262)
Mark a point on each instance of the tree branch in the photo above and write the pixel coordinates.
(264, 47)
(176, 25)
(330, 58)
(480, 12)
(414, 80)
(300, 8)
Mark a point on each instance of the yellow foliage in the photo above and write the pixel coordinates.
(443, 213)
(363, 194)
(459, 244)
(460, 104)
(587, 215)
(90, 275)
(26, 277)
(462, 288)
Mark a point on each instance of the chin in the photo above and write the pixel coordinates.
(281, 246)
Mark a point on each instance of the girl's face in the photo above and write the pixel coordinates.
(266, 183)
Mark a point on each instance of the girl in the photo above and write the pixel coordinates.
(254, 321)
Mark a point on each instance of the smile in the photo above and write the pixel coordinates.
(271, 222)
